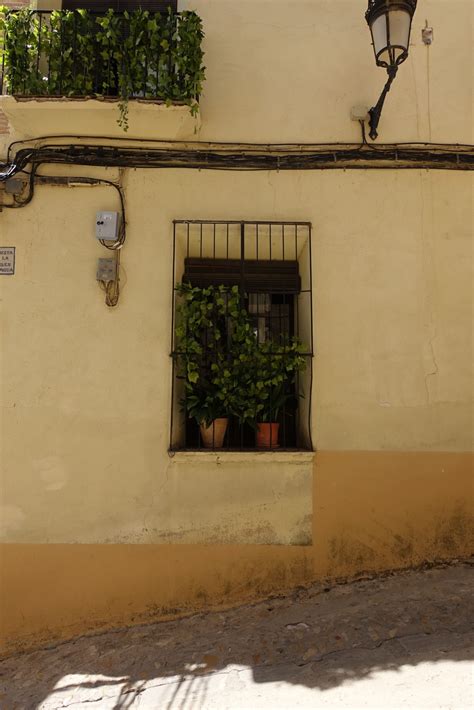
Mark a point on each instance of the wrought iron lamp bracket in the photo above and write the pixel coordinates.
(376, 110)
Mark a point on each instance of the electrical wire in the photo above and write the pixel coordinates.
(228, 157)
(209, 144)
(112, 288)
(353, 156)
(62, 180)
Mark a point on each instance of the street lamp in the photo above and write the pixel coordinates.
(390, 25)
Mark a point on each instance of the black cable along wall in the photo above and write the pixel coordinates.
(158, 154)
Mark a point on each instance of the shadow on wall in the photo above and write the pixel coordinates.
(318, 639)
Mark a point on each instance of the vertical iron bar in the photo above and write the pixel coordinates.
(95, 87)
(242, 295)
(296, 333)
(27, 55)
(200, 242)
(169, 50)
(310, 266)
(49, 55)
(62, 54)
(157, 83)
(2, 78)
(74, 44)
(109, 67)
(242, 259)
(284, 401)
(271, 388)
(214, 241)
(227, 338)
(145, 71)
(297, 413)
(173, 306)
(311, 344)
(38, 53)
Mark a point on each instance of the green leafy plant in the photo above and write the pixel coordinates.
(18, 51)
(74, 53)
(225, 370)
(269, 383)
(68, 43)
(212, 328)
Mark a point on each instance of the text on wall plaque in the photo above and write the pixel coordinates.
(7, 261)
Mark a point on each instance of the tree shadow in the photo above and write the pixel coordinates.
(316, 639)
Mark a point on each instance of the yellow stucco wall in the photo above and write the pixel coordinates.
(281, 71)
(86, 392)
(86, 389)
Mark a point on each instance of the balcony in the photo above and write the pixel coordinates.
(76, 69)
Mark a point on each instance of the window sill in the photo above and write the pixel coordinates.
(275, 456)
(93, 117)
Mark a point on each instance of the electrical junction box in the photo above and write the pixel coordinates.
(107, 226)
(359, 113)
(106, 270)
(14, 186)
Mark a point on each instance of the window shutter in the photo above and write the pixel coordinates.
(260, 276)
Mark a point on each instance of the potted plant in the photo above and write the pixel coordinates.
(203, 405)
(269, 386)
(210, 323)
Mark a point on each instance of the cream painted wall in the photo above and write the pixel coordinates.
(86, 389)
(291, 71)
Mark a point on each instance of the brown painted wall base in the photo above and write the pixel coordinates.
(372, 511)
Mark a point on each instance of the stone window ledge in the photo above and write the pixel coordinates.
(90, 117)
(218, 457)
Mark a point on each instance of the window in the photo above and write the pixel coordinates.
(265, 267)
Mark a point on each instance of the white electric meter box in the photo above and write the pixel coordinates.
(107, 226)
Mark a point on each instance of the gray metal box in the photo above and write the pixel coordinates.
(107, 226)
(106, 270)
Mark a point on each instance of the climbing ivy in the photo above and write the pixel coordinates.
(131, 55)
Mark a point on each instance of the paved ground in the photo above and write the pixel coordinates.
(403, 641)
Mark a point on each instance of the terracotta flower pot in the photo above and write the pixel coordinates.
(267, 435)
(213, 435)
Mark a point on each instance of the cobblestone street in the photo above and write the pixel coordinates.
(399, 641)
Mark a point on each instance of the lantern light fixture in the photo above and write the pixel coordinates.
(390, 26)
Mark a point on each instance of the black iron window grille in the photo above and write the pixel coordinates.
(241, 335)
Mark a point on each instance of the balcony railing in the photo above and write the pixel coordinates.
(79, 53)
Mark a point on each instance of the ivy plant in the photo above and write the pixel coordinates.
(226, 371)
(127, 55)
(211, 332)
(269, 383)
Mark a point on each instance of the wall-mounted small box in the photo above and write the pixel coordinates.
(106, 270)
(107, 226)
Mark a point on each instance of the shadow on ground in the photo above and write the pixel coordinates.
(312, 638)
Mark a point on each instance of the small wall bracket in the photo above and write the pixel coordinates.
(427, 34)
